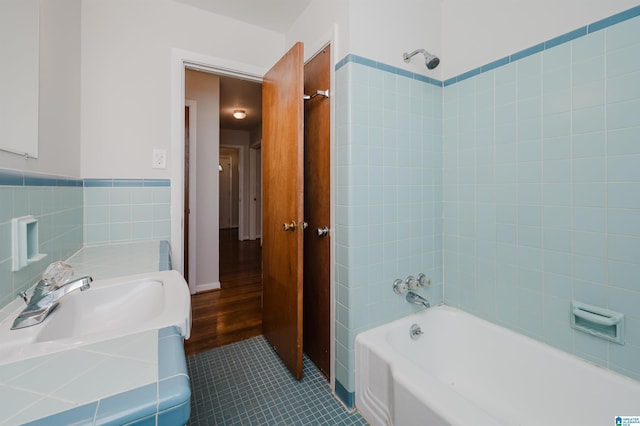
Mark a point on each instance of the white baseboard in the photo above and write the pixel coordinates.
(207, 286)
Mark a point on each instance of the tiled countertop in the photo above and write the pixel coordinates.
(121, 259)
(139, 378)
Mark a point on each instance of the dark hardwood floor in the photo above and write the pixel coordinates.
(234, 312)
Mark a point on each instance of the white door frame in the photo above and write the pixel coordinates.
(193, 202)
(180, 59)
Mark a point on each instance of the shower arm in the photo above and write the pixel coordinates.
(407, 56)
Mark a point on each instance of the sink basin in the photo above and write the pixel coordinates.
(109, 309)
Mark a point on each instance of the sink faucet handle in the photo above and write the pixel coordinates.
(23, 295)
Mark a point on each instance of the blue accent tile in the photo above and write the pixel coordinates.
(527, 52)
(147, 421)
(76, 416)
(348, 398)
(178, 415)
(157, 183)
(127, 182)
(173, 392)
(10, 177)
(495, 64)
(363, 61)
(449, 81)
(165, 256)
(39, 180)
(168, 332)
(386, 68)
(572, 35)
(69, 182)
(128, 406)
(468, 74)
(342, 62)
(426, 79)
(403, 73)
(171, 359)
(612, 20)
(88, 183)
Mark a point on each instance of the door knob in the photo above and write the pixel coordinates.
(289, 226)
(322, 232)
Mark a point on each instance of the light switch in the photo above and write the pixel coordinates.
(159, 160)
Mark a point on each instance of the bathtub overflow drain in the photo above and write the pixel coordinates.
(415, 331)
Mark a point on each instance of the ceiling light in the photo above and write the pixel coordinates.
(239, 114)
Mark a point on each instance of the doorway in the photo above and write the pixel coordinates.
(182, 58)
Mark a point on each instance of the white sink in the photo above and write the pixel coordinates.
(109, 309)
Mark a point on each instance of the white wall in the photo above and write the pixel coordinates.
(380, 30)
(317, 23)
(205, 90)
(475, 33)
(59, 93)
(126, 75)
(383, 30)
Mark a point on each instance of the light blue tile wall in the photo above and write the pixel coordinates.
(541, 190)
(119, 211)
(57, 204)
(388, 201)
(105, 211)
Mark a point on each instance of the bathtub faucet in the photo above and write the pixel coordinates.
(416, 299)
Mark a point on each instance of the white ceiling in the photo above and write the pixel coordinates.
(240, 94)
(275, 15)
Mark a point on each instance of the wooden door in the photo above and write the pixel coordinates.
(283, 185)
(317, 166)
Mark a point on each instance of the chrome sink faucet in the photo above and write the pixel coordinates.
(45, 299)
(416, 299)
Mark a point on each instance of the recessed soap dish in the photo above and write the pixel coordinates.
(25, 244)
(597, 321)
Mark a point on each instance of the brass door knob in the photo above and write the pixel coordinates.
(289, 226)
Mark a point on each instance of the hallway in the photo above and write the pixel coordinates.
(234, 312)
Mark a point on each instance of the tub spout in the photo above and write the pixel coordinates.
(416, 299)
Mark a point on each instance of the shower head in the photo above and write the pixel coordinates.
(430, 60)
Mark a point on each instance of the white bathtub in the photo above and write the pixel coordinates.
(466, 371)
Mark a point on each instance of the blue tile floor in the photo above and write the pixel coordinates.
(245, 383)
